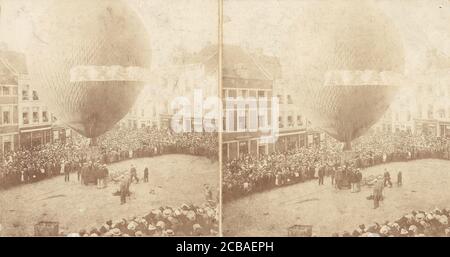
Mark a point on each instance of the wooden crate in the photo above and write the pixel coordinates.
(300, 231)
(46, 228)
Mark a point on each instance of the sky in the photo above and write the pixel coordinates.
(424, 24)
(188, 24)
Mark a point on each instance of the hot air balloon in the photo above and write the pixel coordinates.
(88, 61)
(346, 58)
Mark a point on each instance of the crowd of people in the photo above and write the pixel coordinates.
(250, 174)
(415, 224)
(185, 220)
(49, 160)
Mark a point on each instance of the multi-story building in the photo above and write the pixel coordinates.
(11, 69)
(294, 129)
(243, 77)
(35, 121)
(190, 74)
(25, 120)
(432, 98)
(423, 105)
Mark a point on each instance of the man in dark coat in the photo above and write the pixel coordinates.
(84, 173)
(133, 174)
(123, 189)
(387, 179)
(146, 174)
(321, 174)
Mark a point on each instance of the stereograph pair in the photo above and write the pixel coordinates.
(224, 118)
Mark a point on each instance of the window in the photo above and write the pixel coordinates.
(242, 121)
(280, 99)
(280, 122)
(44, 116)
(441, 113)
(25, 96)
(15, 91)
(6, 117)
(6, 90)
(35, 117)
(299, 120)
(25, 116)
(290, 121)
(289, 99)
(261, 93)
(35, 95)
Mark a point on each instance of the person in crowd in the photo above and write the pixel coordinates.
(104, 175)
(399, 179)
(84, 173)
(359, 178)
(183, 220)
(321, 174)
(332, 175)
(133, 174)
(387, 178)
(63, 170)
(279, 168)
(146, 175)
(378, 192)
(78, 168)
(208, 193)
(417, 223)
(118, 144)
(124, 187)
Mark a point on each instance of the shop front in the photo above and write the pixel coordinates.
(33, 138)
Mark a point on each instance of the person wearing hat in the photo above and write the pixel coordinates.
(123, 189)
(321, 174)
(116, 232)
(84, 173)
(208, 193)
(133, 174)
(377, 194)
(358, 178)
(197, 230)
(151, 230)
(104, 175)
(387, 178)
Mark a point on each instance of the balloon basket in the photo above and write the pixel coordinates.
(347, 146)
(93, 142)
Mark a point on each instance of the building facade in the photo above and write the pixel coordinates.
(247, 127)
(25, 120)
(191, 80)
(35, 121)
(421, 107)
(9, 81)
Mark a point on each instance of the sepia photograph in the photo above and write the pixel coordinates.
(352, 136)
(226, 119)
(108, 117)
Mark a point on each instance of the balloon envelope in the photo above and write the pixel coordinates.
(345, 57)
(86, 59)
